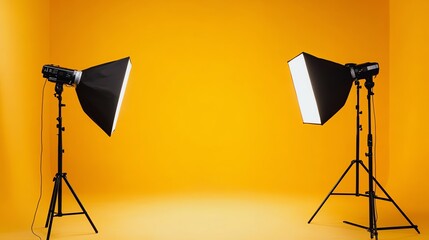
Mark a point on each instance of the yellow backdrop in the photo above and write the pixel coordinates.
(210, 105)
(24, 48)
(408, 96)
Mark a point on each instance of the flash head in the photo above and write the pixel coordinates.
(61, 75)
(364, 70)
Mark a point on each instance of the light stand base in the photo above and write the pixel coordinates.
(57, 195)
(373, 230)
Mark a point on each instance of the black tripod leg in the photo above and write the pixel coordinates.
(51, 213)
(372, 218)
(397, 207)
(80, 204)
(412, 225)
(333, 189)
(52, 203)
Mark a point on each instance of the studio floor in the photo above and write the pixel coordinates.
(223, 217)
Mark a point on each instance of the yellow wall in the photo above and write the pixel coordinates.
(24, 42)
(210, 104)
(408, 96)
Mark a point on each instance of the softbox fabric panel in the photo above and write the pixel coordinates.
(331, 85)
(99, 91)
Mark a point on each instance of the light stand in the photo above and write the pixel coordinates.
(372, 228)
(57, 192)
(100, 90)
(356, 162)
(322, 88)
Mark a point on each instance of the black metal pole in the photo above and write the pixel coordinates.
(369, 84)
(358, 129)
(58, 94)
(57, 192)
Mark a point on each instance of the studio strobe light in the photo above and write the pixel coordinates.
(100, 90)
(322, 88)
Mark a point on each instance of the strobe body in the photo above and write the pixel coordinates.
(62, 75)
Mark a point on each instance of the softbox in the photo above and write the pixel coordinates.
(322, 87)
(101, 90)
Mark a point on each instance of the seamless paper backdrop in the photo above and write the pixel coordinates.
(210, 105)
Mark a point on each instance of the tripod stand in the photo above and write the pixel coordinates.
(60, 176)
(372, 228)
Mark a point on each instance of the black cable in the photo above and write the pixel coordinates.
(40, 163)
